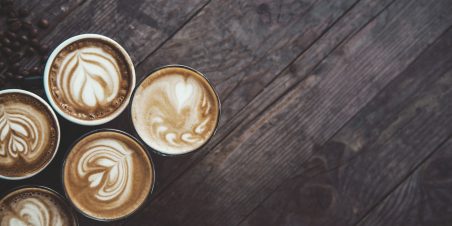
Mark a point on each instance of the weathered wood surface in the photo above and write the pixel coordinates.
(328, 107)
(351, 173)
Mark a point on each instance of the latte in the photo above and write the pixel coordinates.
(35, 206)
(29, 134)
(108, 175)
(89, 79)
(175, 110)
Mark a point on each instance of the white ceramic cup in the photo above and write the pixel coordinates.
(69, 117)
(53, 115)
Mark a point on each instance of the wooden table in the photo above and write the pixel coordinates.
(334, 112)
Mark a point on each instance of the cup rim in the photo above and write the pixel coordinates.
(218, 115)
(57, 194)
(73, 119)
(55, 118)
(151, 189)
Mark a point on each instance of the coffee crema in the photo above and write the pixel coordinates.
(90, 79)
(35, 206)
(175, 110)
(29, 134)
(108, 175)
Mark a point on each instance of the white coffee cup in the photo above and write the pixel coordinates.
(10, 127)
(125, 99)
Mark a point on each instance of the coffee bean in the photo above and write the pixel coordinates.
(34, 42)
(33, 32)
(18, 78)
(7, 51)
(16, 25)
(43, 49)
(16, 45)
(14, 68)
(23, 12)
(30, 51)
(25, 73)
(2, 65)
(27, 24)
(23, 38)
(43, 23)
(9, 75)
(15, 57)
(6, 41)
(35, 71)
(11, 35)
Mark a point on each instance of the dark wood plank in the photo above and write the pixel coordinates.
(256, 158)
(140, 26)
(253, 65)
(346, 177)
(423, 199)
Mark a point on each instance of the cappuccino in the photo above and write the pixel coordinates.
(108, 175)
(29, 134)
(89, 79)
(35, 206)
(175, 110)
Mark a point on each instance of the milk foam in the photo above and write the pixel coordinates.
(175, 112)
(28, 135)
(36, 208)
(89, 77)
(107, 175)
(108, 167)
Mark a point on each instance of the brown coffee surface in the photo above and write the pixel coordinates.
(90, 79)
(36, 207)
(175, 110)
(108, 175)
(28, 135)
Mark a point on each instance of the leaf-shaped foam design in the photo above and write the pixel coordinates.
(180, 113)
(33, 211)
(107, 166)
(89, 77)
(18, 134)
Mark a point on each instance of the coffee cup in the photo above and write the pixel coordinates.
(35, 205)
(89, 79)
(175, 110)
(29, 134)
(108, 175)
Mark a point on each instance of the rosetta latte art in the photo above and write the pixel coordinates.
(107, 166)
(18, 134)
(89, 77)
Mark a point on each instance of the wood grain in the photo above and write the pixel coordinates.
(252, 62)
(423, 198)
(252, 161)
(350, 174)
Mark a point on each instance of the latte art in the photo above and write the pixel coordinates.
(28, 134)
(175, 110)
(89, 77)
(36, 207)
(18, 134)
(107, 166)
(107, 175)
